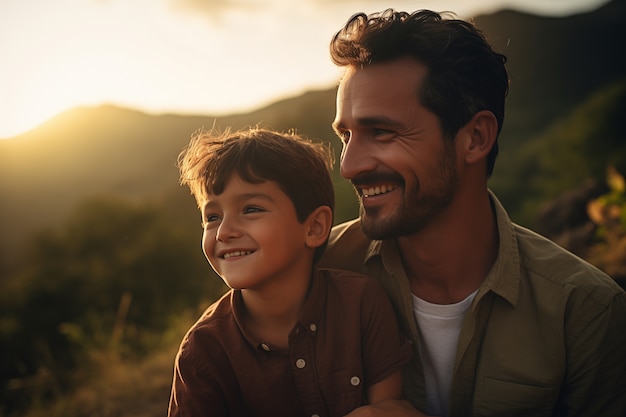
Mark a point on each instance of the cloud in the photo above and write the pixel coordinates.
(215, 9)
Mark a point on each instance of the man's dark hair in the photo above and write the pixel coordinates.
(465, 75)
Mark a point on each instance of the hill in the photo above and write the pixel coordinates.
(555, 63)
(115, 151)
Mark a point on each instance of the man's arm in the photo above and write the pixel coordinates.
(596, 374)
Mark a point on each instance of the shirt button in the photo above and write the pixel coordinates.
(313, 327)
(265, 347)
(355, 381)
(300, 363)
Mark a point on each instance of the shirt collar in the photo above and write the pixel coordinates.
(504, 276)
(502, 279)
(312, 309)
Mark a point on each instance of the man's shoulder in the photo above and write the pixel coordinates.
(348, 281)
(352, 292)
(544, 260)
(347, 231)
(347, 247)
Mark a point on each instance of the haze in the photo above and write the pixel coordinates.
(183, 56)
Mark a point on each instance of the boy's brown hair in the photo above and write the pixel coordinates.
(300, 167)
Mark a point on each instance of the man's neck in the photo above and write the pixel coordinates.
(450, 259)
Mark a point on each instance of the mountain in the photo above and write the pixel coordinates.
(108, 150)
(556, 64)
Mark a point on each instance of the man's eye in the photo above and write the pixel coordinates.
(252, 209)
(383, 135)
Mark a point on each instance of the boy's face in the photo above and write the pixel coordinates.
(252, 237)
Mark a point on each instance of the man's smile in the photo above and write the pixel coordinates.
(377, 190)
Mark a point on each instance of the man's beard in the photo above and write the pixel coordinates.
(419, 207)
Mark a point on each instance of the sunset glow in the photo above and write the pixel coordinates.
(180, 57)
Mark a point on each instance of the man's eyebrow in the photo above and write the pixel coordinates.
(369, 121)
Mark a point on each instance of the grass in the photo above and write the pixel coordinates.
(111, 385)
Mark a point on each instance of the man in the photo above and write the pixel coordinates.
(503, 321)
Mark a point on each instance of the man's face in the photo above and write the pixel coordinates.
(394, 153)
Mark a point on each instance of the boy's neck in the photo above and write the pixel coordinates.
(272, 313)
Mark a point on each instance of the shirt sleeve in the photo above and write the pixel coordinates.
(195, 391)
(596, 374)
(385, 348)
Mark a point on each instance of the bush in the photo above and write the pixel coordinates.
(112, 279)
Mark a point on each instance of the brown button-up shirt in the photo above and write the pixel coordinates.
(346, 339)
(544, 336)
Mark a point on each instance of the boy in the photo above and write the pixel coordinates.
(287, 339)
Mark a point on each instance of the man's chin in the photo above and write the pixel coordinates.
(375, 228)
(378, 227)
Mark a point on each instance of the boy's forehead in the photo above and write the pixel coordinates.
(238, 188)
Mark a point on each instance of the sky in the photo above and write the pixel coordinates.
(202, 57)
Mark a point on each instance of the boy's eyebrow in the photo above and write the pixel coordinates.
(241, 198)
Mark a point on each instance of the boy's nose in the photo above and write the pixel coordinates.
(227, 230)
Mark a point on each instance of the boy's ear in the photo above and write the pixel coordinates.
(319, 223)
(482, 133)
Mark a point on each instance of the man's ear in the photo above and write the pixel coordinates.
(482, 132)
(318, 226)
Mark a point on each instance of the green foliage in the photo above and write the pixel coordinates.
(608, 212)
(112, 278)
(574, 149)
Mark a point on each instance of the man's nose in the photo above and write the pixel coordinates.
(356, 158)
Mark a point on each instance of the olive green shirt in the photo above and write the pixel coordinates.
(544, 336)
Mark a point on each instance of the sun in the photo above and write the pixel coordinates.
(47, 87)
(46, 72)
(62, 60)
(37, 99)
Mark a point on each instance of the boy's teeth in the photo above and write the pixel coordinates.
(236, 253)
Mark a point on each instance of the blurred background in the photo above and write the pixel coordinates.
(101, 270)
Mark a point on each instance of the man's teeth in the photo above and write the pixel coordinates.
(237, 253)
(379, 189)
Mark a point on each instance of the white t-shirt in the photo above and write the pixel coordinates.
(439, 329)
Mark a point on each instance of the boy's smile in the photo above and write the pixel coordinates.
(234, 254)
(252, 236)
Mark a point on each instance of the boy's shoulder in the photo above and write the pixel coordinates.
(214, 324)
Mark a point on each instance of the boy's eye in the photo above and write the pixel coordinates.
(208, 219)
